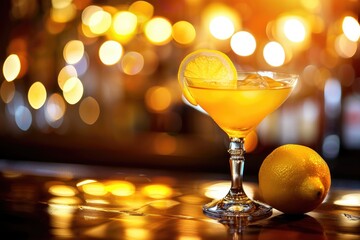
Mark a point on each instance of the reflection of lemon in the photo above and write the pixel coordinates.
(295, 227)
(294, 179)
(251, 141)
(205, 64)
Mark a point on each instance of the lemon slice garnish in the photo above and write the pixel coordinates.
(207, 67)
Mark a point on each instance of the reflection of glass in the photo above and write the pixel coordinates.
(238, 110)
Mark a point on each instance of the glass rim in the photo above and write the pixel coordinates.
(290, 78)
(263, 73)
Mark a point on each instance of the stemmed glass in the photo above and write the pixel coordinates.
(238, 110)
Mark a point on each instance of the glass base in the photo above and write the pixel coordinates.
(225, 209)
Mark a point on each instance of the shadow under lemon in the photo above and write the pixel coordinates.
(292, 227)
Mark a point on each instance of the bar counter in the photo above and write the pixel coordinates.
(72, 201)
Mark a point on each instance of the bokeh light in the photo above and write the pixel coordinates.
(110, 52)
(243, 43)
(164, 144)
(11, 67)
(132, 63)
(351, 28)
(157, 191)
(94, 188)
(73, 90)
(158, 99)
(63, 14)
(158, 30)
(143, 10)
(99, 22)
(274, 54)
(23, 117)
(37, 95)
(62, 190)
(124, 31)
(183, 32)
(73, 51)
(221, 27)
(120, 188)
(294, 30)
(55, 108)
(66, 73)
(89, 110)
(88, 12)
(7, 91)
(220, 20)
(344, 47)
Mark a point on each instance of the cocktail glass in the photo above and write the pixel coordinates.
(238, 107)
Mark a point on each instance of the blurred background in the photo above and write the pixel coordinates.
(95, 82)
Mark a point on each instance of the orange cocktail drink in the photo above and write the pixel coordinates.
(239, 109)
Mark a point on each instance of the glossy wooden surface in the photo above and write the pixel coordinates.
(64, 201)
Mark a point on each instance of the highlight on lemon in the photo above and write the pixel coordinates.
(294, 179)
(212, 65)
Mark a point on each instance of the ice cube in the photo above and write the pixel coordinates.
(255, 81)
(258, 81)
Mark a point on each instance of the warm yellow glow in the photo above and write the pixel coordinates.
(99, 22)
(62, 204)
(158, 99)
(344, 47)
(7, 91)
(221, 27)
(89, 110)
(157, 191)
(37, 95)
(62, 191)
(164, 204)
(219, 189)
(143, 10)
(216, 13)
(73, 90)
(183, 32)
(88, 12)
(66, 73)
(55, 108)
(73, 51)
(64, 14)
(54, 27)
(349, 200)
(84, 182)
(294, 30)
(351, 28)
(158, 30)
(60, 3)
(120, 188)
(189, 238)
(110, 52)
(94, 188)
(311, 5)
(132, 63)
(243, 43)
(11, 67)
(137, 233)
(274, 54)
(120, 19)
(164, 144)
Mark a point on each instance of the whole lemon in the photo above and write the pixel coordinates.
(294, 179)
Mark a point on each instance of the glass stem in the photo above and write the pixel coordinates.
(237, 161)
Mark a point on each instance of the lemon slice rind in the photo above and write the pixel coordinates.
(208, 66)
